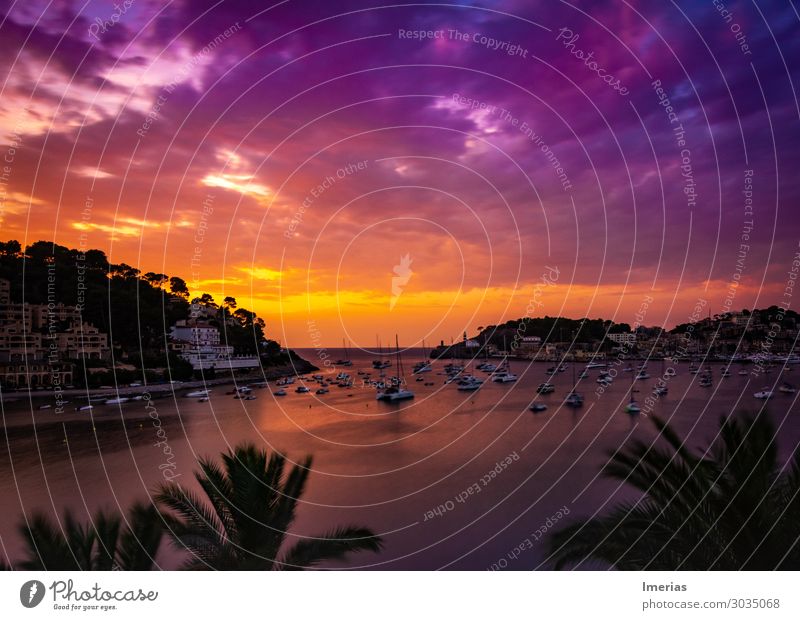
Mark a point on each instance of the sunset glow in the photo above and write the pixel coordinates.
(291, 164)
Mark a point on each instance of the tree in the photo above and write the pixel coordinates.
(104, 544)
(10, 248)
(730, 508)
(229, 303)
(207, 299)
(124, 271)
(156, 279)
(243, 520)
(177, 286)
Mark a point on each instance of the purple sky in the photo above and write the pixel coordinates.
(254, 123)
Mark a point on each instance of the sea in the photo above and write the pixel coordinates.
(449, 479)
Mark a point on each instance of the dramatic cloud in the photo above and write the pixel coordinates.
(299, 150)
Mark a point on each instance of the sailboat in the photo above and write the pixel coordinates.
(574, 399)
(423, 366)
(380, 363)
(395, 391)
(346, 361)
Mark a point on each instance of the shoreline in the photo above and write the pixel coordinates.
(162, 390)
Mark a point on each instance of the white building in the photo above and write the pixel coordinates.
(199, 344)
(625, 338)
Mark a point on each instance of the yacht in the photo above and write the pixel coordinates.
(537, 407)
(489, 368)
(764, 394)
(197, 394)
(280, 392)
(605, 380)
(322, 390)
(302, 389)
(396, 391)
(546, 388)
(705, 381)
(504, 377)
(742, 373)
(642, 375)
(573, 399)
(421, 367)
(84, 408)
(117, 401)
(469, 384)
(633, 407)
(591, 365)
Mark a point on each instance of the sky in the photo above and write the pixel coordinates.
(356, 170)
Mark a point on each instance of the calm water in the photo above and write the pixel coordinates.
(379, 464)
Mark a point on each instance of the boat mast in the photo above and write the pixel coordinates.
(399, 363)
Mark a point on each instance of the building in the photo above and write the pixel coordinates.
(32, 373)
(45, 315)
(83, 342)
(199, 344)
(627, 339)
(36, 347)
(198, 333)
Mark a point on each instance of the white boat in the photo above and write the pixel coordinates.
(395, 391)
(503, 377)
(469, 384)
(591, 365)
(538, 407)
(642, 375)
(280, 392)
(197, 394)
(489, 368)
(633, 407)
(660, 390)
(117, 401)
(605, 380)
(764, 394)
(742, 373)
(573, 399)
(546, 388)
(322, 391)
(787, 388)
(84, 408)
(302, 389)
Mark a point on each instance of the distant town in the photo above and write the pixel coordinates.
(757, 336)
(122, 327)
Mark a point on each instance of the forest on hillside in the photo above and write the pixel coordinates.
(135, 309)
